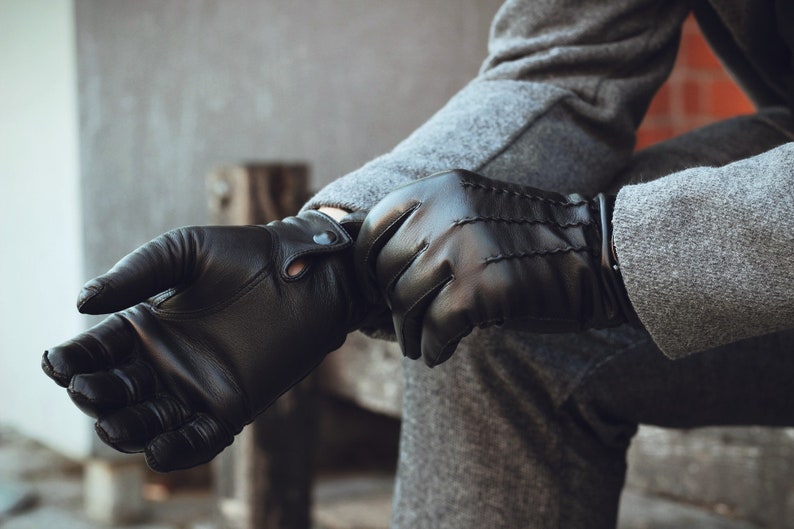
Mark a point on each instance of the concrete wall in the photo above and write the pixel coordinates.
(40, 231)
(740, 473)
(169, 90)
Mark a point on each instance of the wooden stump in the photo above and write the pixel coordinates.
(263, 481)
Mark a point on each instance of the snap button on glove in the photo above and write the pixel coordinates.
(457, 250)
(212, 330)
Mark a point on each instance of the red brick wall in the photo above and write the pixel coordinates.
(699, 91)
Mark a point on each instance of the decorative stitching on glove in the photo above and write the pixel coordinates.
(482, 187)
(534, 253)
(508, 220)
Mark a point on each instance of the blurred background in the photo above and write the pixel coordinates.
(114, 113)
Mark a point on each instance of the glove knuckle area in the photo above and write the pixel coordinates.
(101, 392)
(391, 212)
(176, 242)
(131, 428)
(197, 442)
(429, 227)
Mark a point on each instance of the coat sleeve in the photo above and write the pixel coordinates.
(556, 104)
(707, 254)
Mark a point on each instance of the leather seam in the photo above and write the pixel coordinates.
(518, 194)
(534, 253)
(217, 307)
(509, 220)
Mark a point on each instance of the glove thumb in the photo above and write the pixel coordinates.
(153, 268)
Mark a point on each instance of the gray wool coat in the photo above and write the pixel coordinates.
(707, 253)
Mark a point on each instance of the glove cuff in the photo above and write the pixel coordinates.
(377, 320)
(309, 234)
(617, 304)
(320, 234)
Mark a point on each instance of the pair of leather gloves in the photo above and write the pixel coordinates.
(212, 328)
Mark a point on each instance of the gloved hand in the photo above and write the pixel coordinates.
(457, 250)
(216, 331)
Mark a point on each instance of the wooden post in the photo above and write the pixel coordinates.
(257, 193)
(263, 481)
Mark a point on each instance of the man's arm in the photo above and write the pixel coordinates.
(707, 254)
(555, 106)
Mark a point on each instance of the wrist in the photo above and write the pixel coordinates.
(370, 313)
(324, 234)
(335, 213)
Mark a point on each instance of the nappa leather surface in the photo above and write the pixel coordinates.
(210, 330)
(456, 250)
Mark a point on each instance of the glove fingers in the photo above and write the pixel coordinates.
(447, 320)
(197, 442)
(153, 268)
(413, 293)
(379, 227)
(459, 307)
(98, 393)
(130, 429)
(101, 347)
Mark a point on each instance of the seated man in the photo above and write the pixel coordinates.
(550, 313)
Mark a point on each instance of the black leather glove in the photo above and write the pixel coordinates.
(225, 332)
(457, 250)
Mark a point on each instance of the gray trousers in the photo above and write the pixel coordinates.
(519, 430)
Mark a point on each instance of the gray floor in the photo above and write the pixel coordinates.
(40, 489)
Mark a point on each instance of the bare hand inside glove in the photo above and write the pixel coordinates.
(215, 329)
(457, 250)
